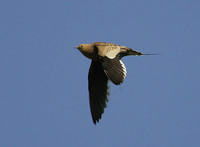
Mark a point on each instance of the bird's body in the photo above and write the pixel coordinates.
(106, 65)
(109, 50)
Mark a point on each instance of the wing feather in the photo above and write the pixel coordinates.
(98, 90)
(115, 70)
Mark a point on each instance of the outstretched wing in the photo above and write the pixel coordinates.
(114, 69)
(98, 90)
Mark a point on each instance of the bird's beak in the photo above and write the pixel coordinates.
(77, 47)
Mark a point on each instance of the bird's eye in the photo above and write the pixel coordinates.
(81, 46)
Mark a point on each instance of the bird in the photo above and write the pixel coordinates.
(106, 65)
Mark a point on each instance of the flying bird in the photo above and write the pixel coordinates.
(106, 65)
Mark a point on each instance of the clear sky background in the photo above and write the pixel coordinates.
(43, 78)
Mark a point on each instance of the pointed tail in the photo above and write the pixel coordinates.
(129, 51)
(136, 53)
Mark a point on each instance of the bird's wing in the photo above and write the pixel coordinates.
(114, 69)
(98, 90)
(107, 49)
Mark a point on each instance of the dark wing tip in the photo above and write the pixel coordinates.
(95, 121)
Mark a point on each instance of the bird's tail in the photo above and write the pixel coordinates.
(130, 52)
(136, 53)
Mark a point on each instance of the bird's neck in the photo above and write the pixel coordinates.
(88, 51)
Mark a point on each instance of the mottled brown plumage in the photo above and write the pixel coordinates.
(106, 65)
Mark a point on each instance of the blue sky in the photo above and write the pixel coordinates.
(43, 79)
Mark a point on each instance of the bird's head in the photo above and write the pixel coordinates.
(86, 50)
(81, 47)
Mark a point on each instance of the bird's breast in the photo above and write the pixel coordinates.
(90, 55)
